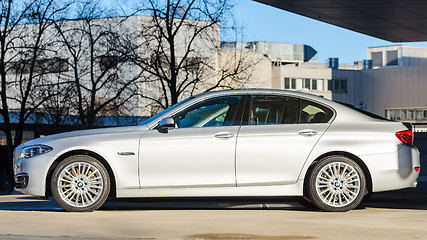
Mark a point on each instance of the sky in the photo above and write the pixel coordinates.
(264, 23)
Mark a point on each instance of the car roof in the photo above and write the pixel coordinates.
(267, 91)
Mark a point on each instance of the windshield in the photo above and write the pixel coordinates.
(165, 111)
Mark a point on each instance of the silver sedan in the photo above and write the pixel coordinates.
(228, 143)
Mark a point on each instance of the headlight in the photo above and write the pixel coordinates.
(35, 150)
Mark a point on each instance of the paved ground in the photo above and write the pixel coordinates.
(394, 215)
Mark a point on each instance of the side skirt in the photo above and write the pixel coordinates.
(247, 191)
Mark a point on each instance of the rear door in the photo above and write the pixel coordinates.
(279, 134)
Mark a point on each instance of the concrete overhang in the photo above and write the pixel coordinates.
(392, 20)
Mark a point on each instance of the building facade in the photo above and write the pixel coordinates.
(95, 59)
(391, 82)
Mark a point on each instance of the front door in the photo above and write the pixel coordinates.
(198, 152)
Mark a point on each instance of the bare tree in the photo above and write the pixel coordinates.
(102, 75)
(179, 39)
(58, 109)
(23, 65)
(236, 63)
(180, 52)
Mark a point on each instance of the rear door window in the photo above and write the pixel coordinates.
(312, 112)
(266, 110)
(276, 109)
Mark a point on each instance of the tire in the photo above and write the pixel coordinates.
(80, 183)
(336, 184)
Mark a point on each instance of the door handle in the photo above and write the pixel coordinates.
(307, 132)
(224, 135)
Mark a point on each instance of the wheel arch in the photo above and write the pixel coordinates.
(81, 152)
(340, 153)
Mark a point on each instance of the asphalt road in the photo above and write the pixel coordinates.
(392, 215)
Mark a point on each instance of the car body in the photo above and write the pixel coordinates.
(248, 142)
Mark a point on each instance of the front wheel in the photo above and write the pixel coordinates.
(336, 184)
(80, 183)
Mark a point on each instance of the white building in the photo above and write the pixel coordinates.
(97, 67)
(397, 55)
(392, 82)
(91, 63)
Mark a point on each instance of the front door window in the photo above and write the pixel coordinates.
(214, 112)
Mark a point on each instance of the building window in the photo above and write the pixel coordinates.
(392, 58)
(411, 114)
(193, 63)
(377, 59)
(290, 83)
(50, 65)
(293, 83)
(406, 114)
(287, 83)
(419, 114)
(337, 85)
(307, 83)
(107, 62)
(20, 67)
(57, 65)
(396, 114)
(393, 114)
(314, 84)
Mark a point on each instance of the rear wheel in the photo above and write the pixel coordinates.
(80, 183)
(336, 184)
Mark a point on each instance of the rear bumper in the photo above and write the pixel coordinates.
(395, 170)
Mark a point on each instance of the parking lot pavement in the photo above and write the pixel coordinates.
(391, 215)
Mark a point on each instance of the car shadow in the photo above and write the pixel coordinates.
(209, 203)
(415, 199)
(19, 202)
(412, 198)
(27, 203)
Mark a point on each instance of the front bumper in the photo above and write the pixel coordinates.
(21, 180)
(30, 174)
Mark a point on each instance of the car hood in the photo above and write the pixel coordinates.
(80, 133)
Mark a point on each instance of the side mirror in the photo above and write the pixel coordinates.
(166, 124)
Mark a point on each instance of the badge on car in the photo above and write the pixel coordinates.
(126, 153)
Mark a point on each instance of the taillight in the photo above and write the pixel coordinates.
(406, 137)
